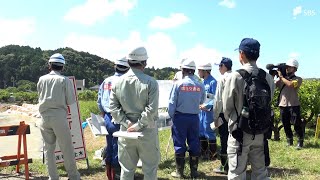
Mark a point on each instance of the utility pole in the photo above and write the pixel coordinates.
(12, 79)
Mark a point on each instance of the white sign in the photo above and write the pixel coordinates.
(75, 128)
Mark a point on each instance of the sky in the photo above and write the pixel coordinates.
(203, 30)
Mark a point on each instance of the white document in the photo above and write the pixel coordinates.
(97, 126)
(217, 123)
(128, 135)
(209, 98)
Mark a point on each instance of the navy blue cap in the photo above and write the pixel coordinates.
(249, 45)
(227, 62)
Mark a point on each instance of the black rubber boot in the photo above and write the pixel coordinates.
(204, 147)
(180, 161)
(212, 149)
(194, 160)
(223, 169)
(290, 141)
(300, 144)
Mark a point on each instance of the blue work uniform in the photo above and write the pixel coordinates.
(103, 105)
(206, 117)
(185, 97)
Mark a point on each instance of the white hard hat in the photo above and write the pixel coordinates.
(188, 64)
(206, 66)
(182, 60)
(123, 62)
(57, 58)
(293, 63)
(138, 54)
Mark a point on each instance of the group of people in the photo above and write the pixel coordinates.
(128, 101)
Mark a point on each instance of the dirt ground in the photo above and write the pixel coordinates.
(8, 144)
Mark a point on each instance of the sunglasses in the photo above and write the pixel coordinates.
(220, 65)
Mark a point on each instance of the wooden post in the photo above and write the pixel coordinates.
(317, 128)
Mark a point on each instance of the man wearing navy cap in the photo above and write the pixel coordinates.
(220, 122)
(233, 100)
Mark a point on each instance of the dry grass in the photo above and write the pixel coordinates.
(93, 143)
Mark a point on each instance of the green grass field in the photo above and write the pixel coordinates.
(286, 162)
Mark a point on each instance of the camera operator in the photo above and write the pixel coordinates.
(289, 103)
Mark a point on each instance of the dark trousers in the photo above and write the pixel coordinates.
(112, 142)
(291, 115)
(185, 128)
(223, 131)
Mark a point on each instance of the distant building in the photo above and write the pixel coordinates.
(80, 84)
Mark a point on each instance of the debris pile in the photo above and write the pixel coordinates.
(26, 109)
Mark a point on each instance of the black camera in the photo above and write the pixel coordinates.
(279, 67)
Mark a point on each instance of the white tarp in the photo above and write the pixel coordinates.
(164, 92)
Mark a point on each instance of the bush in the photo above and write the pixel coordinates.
(88, 95)
(29, 97)
(309, 95)
(4, 95)
(86, 107)
(12, 89)
(25, 85)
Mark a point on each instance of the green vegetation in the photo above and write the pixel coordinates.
(23, 63)
(87, 107)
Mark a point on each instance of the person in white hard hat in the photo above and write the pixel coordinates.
(178, 74)
(207, 136)
(134, 101)
(289, 103)
(55, 93)
(110, 158)
(185, 98)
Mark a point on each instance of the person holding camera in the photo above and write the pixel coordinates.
(245, 146)
(289, 103)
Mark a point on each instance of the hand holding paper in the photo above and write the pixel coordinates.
(128, 135)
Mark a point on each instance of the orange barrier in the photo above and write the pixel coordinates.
(17, 160)
(318, 127)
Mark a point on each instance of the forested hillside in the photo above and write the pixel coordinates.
(25, 63)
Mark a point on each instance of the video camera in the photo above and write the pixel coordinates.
(274, 68)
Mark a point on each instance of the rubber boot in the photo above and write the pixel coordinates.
(300, 144)
(212, 149)
(289, 141)
(204, 147)
(180, 161)
(115, 172)
(223, 169)
(108, 171)
(194, 160)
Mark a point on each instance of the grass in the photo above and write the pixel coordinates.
(286, 162)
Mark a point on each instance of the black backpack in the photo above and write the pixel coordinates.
(255, 116)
